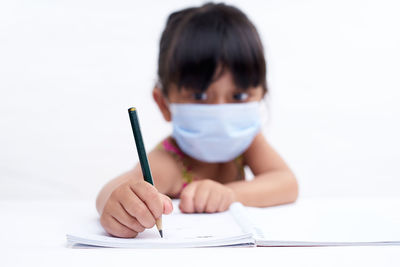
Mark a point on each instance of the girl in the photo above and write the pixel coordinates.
(212, 77)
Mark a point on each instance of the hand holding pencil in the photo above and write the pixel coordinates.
(134, 204)
(144, 163)
(132, 207)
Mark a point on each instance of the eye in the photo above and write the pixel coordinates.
(240, 96)
(200, 96)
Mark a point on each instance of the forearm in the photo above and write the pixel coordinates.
(268, 189)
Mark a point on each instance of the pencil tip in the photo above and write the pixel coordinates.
(160, 231)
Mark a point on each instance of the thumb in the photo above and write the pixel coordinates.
(167, 202)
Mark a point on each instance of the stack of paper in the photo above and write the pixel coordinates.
(300, 224)
(180, 230)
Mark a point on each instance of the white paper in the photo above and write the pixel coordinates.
(328, 223)
(305, 223)
(180, 230)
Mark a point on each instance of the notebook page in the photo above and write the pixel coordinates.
(329, 222)
(180, 230)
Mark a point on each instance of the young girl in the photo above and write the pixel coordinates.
(212, 77)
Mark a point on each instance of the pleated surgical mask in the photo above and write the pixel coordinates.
(215, 132)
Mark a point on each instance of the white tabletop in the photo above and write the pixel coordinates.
(34, 235)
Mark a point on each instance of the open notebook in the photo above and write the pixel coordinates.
(290, 225)
(228, 228)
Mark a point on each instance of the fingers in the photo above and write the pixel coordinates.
(131, 208)
(186, 204)
(213, 203)
(150, 196)
(167, 202)
(223, 205)
(201, 197)
(227, 200)
(194, 197)
(123, 217)
(205, 196)
(135, 207)
(115, 228)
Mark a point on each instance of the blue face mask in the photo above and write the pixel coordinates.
(215, 132)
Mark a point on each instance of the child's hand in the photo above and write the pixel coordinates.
(133, 207)
(206, 196)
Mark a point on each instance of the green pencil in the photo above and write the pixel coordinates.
(144, 163)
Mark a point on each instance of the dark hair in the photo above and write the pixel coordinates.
(197, 42)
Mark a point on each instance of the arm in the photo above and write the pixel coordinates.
(273, 183)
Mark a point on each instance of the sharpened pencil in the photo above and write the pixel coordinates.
(144, 163)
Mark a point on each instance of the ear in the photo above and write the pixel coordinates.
(161, 103)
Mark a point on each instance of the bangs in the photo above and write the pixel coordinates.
(210, 40)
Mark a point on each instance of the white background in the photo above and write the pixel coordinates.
(70, 69)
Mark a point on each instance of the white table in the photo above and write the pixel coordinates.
(33, 234)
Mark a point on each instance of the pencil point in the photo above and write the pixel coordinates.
(160, 231)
